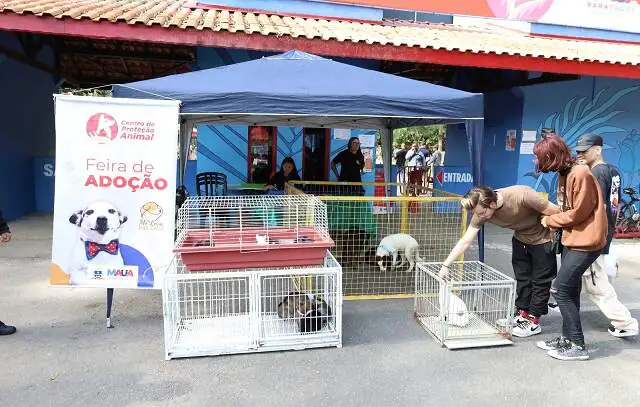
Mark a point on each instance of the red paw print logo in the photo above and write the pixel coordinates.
(102, 127)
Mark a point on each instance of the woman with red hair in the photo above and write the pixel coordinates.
(584, 233)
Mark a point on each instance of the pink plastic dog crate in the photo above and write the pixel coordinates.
(241, 232)
(235, 249)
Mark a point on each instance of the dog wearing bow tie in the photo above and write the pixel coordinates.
(399, 245)
(99, 225)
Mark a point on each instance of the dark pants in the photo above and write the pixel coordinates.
(569, 284)
(535, 268)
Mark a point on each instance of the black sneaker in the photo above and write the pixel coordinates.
(553, 344)
(6, 329)
(570, 352)
(553, 306)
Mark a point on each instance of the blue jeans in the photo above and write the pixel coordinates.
(569, 284)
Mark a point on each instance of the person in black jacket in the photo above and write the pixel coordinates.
(288, 172)
(5, 236)
(351, 163)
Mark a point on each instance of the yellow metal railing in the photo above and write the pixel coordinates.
(358, 223)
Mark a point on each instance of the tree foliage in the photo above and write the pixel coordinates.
(429, 135)
(87, 92)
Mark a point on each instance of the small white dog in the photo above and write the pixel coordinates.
(392, 246)
(98, 242)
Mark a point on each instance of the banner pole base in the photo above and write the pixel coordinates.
(109, 304)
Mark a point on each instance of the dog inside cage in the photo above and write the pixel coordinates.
(303, 304)
(312, 314)
(377, 237)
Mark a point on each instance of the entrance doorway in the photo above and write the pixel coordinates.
(315, 154)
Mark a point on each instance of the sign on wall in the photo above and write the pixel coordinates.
(115, 187)
(454, 179)
(615, 15)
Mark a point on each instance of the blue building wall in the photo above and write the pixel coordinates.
(607, 106)
(457, 148)
(503, 111)
(26, 113)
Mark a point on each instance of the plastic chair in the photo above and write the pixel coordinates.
(211, 184)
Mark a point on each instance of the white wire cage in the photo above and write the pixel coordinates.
(252, 310)
(217, 233)
(469, 308)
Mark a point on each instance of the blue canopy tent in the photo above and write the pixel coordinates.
(300, 89)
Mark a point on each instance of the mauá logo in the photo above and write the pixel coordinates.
(100, 274)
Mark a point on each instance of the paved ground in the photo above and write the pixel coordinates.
(63, 355)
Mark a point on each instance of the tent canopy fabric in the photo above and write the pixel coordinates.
(296, 86)
(300, 89)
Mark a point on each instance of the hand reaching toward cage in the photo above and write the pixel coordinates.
(444, 272)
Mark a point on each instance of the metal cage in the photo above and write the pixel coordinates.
(251, 310)
(358, 225)
(217, 233)
(469, 308)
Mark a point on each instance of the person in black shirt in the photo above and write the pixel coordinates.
(401, 156)
(595, 281)
(400, 160)
(351, 163)
(5, 237)
(288, 172)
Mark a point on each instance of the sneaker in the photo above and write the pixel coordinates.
(519, 316)
(553, 306)
(6, 329)
(569, 352)
(526, 328)
(553, 344)
(622, 333)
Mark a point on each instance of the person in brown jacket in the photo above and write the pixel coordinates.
(584, 233)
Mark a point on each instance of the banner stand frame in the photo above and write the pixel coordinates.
(109, 306)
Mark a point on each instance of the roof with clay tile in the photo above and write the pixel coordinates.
(191, 17)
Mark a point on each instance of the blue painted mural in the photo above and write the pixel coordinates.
(225, 149)
(606, 106)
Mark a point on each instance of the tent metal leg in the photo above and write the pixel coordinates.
(109, 304)
(481, 244)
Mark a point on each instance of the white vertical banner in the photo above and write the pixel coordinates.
(115, 185)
